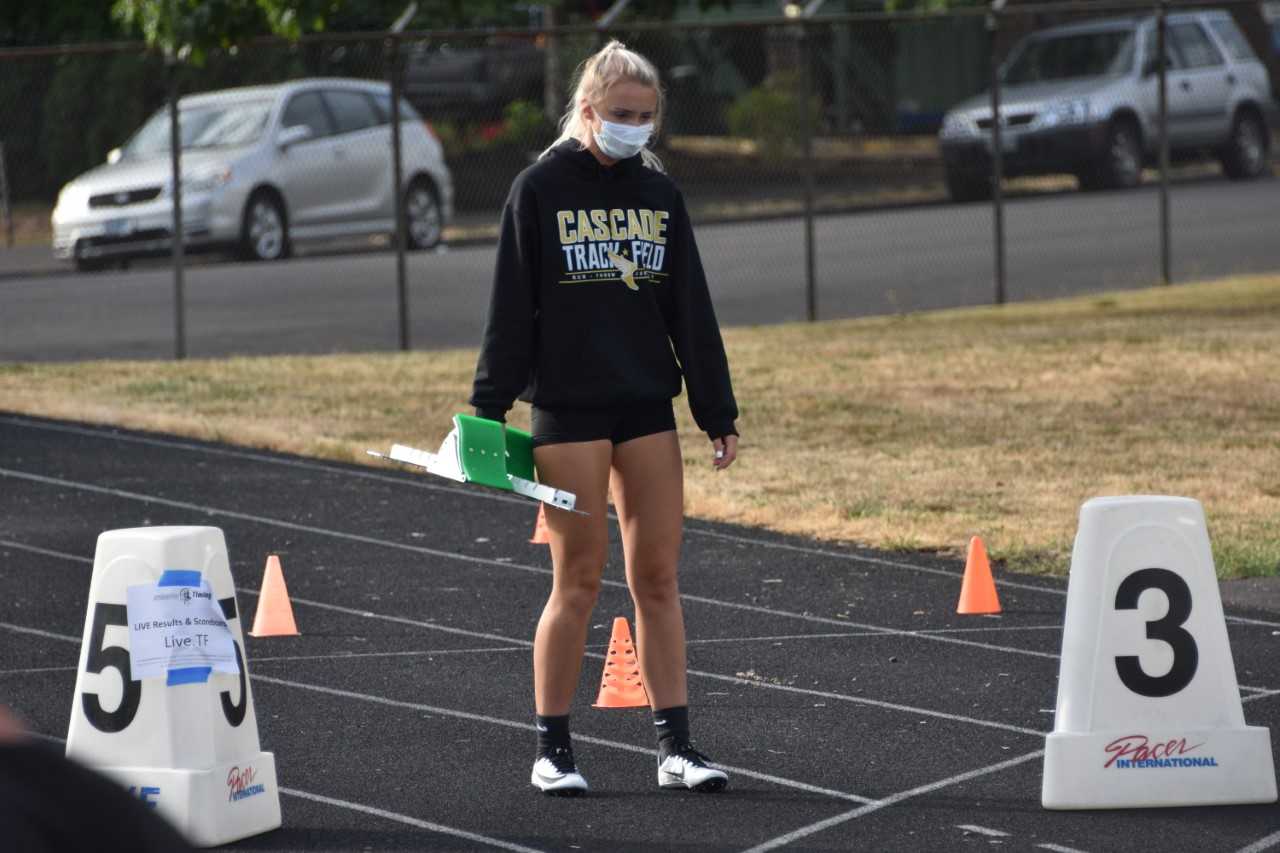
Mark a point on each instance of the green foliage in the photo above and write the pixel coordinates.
(772, 114)
(190, 29)
(523, 128)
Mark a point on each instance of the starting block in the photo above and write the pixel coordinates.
(162, 701)
(1148, 711)
(485, 452)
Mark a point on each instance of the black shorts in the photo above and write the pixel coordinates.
(560, 426)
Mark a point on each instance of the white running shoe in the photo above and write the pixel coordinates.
(688, 768)
(557, 775)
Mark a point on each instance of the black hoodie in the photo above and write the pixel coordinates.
(599, 299)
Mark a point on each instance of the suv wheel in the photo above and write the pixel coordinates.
(424, 222)
(1245, 155)
(264, 234)
(1121, 166)
(964, 186)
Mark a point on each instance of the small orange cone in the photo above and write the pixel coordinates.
(541, 536)
(620, 685)
(275, 614)
(978, 590)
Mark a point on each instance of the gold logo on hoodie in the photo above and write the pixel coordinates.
(627, 245)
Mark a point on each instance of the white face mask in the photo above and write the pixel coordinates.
(620, 141)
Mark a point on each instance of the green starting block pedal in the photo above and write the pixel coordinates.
(485, 452)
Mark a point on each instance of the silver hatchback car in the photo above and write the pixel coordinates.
(1083, 99)
(262, 167)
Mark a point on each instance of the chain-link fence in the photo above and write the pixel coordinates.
(835, 166)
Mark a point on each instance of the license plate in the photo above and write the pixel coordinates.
(118, 227)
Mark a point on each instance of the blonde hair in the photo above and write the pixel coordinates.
(612, 64)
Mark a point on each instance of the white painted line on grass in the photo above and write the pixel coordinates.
(806, 831)
(982, 830)
(409, 821)
(484, 561)
(1262, 844)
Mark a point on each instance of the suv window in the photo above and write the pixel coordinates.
(351, 110)
(307, 109)
(1193, 44)
(1069, 55)
(1229, 34)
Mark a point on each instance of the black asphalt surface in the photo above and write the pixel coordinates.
(854, 708)
(870, 263)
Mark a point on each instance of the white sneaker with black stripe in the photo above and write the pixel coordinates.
(688, 768)
(557, 775)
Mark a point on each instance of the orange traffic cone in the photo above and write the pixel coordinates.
(978, 590)
(620, 685)
(275, 614)
(541, 536)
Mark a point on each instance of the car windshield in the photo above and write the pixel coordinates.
(212, 126)
(1070, 55)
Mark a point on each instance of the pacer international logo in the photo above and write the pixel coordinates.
(241, 784)
(1136, 752)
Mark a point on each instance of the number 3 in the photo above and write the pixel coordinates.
(1186, 657)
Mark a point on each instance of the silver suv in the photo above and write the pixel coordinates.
(1084, 99)
(261, 167)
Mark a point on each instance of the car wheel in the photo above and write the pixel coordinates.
(966, 186)
(1246, 153)
(424, 220)
(90, 264)
(264, 233)
(1121, 166)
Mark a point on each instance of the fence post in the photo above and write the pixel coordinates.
(175, 172)
(1165, 236)
(997, 151)
(4, 201)
(806, 122)
(397, 177)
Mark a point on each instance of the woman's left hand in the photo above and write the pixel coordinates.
(726, 450)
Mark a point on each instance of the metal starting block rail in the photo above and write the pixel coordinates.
(486, 452)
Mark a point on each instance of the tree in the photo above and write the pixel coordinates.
(190, 29)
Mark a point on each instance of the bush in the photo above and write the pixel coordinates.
(772, 115)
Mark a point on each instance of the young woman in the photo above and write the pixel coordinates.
(599, 309)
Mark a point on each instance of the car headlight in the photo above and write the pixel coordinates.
(206, 180)
(956, 125)
(1065, 113)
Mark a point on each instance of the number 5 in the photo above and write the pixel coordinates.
(101, 657)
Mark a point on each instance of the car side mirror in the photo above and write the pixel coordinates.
(114, 155)
(293, 135)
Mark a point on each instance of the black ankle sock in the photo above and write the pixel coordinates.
(672, 725)
(553, 733)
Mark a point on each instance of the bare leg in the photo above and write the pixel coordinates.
(648, 491)
(579, 549)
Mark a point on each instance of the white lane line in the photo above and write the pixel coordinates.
(23, 629)
(715, 676)
(370, 810)
(982, 830)
(806, 831)
(848, 634)
(44, 551)
(1058, 848)
(108, 433)
(429, 652)
(512, 724)
(1262, 844)
(37, 669)
(418, 549)
(409, 821)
